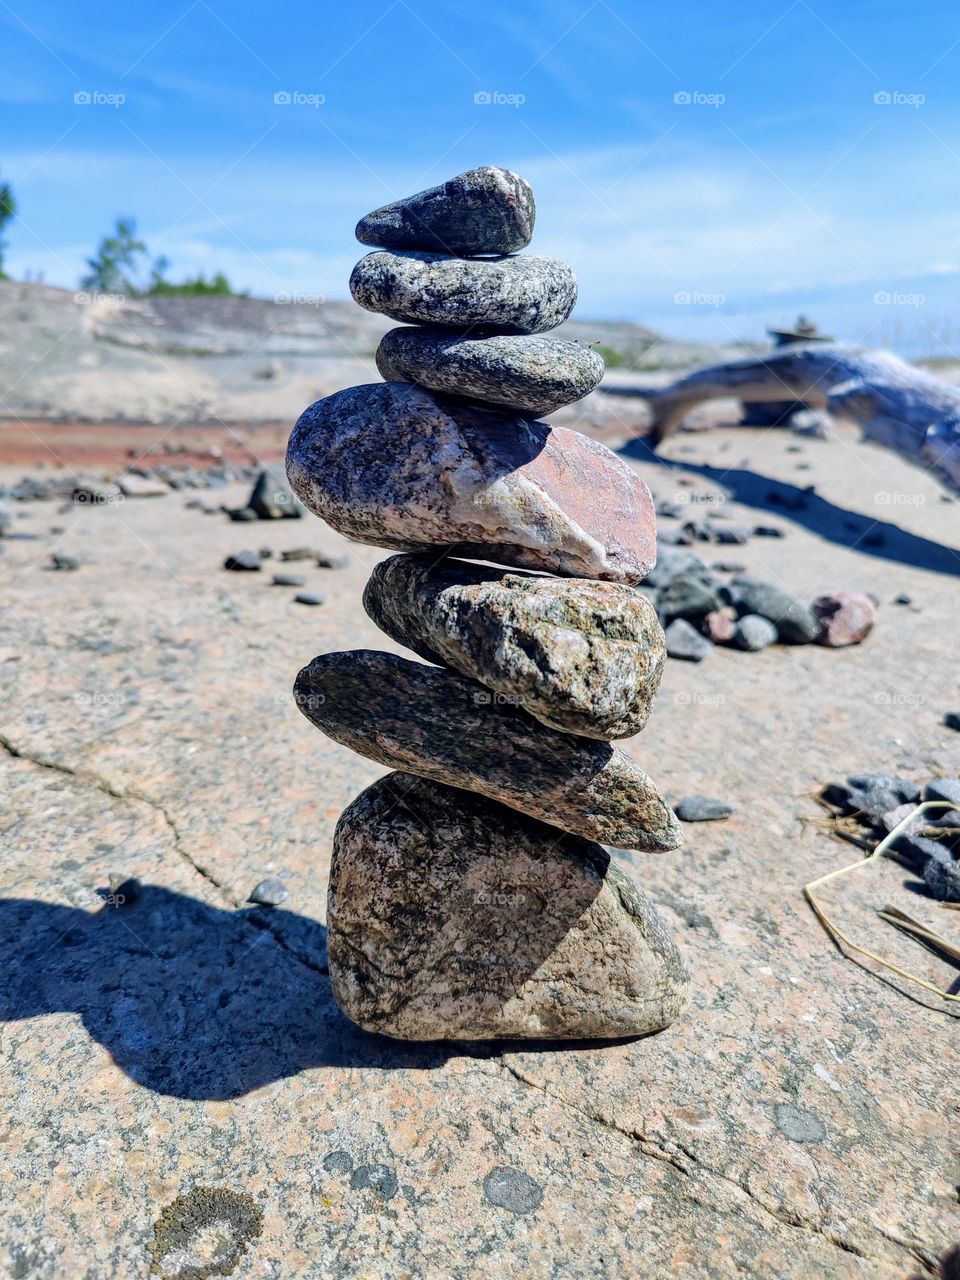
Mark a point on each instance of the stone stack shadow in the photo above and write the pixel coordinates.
(470, 893)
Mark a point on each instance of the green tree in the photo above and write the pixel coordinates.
(8, 209)
(118, 259)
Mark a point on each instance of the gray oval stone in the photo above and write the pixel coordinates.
(398, 466)
(795, 623)
(441, 726)
(532, 374)
(525, 294)
(485, 210)
(582, 657)
(451, 917)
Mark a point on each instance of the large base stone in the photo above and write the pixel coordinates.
(451, 917)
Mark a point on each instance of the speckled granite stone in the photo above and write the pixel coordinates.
(527, 373)
(485, 210)
(398, 466)
(582, 657)
(524, 294)
(436, 724)
(451, 917)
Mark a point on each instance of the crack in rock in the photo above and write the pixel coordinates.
(128, 794)
(659, 1149)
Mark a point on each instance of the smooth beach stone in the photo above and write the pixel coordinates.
(485, 210)
(528, 373)
(582, 657)
(441, 726)
(525, 294)
(397, 466)
(452, 917)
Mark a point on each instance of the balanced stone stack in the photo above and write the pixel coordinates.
(471, 896)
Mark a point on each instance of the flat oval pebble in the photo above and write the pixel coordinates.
(525, 294)
(452, 917)
(485, 210)
(441, 726)
(582, 657)
(528, 373)
(395, 465)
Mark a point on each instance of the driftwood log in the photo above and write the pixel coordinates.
(897, 405)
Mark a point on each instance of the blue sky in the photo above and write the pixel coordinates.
(778, 179)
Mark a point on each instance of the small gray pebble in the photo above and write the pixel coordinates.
(270, 893)
(754, 633)
(288, 580)
(702, 809)
(943, 789)
(64, 563)
(684, 641)
(308, 597)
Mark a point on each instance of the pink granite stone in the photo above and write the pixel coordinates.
(395, 465)
(847, 618)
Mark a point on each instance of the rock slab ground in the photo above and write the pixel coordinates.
(176, 1043)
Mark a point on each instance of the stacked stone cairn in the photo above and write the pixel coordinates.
(471, 895)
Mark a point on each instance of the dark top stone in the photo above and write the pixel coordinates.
(485, 210)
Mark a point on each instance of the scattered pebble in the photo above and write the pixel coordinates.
(881, 801)
(684, 641)
(720, 625)
(299, 553)
(243, 515)
(288, 580)
(845, 618)
(702, 809)
(952, 720)
(64, 563)
(270, 893)
(243, 561)
(754, 633)
(308, 597)
(332, 562)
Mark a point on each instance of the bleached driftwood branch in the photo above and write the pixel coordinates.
(897, 405)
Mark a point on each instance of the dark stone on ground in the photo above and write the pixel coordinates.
(702, 809)
(243, 561)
